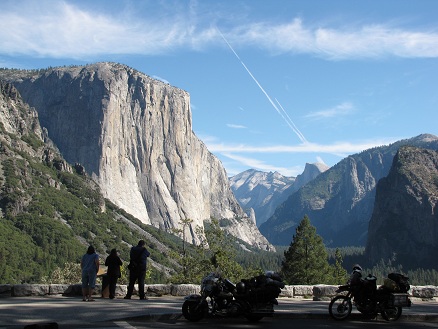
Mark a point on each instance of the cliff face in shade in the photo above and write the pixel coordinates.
(404, 223)
(133, 135)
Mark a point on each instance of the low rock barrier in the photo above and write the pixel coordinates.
(316, 292)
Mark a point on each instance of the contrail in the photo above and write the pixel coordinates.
(292, 124)
(283, 113)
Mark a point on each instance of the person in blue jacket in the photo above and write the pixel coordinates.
(137, 269)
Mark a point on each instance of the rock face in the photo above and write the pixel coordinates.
(16, 116)
(404, 223)
(133, 135)
(340, 201)
(261, 192)
(311, 171)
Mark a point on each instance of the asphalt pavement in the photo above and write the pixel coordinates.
(18, 312)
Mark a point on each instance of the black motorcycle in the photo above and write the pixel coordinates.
(254, 298)
(388, 300)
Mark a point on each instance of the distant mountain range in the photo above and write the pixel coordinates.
(340, 201)
(260, 193)
(384, 198)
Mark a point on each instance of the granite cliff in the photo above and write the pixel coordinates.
(404, 223)
(133, 135)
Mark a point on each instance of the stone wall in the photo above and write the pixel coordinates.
(317, 292)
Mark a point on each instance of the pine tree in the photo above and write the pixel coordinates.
(340, 275)
(306, 260)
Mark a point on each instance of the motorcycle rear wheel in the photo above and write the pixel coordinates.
(193, 311)
(340, 307)
(391, 313)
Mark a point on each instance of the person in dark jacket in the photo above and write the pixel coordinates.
(137, 269)
(113, 262)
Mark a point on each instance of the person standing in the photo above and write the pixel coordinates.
(90, 267)
(137, 269)
(113, 262)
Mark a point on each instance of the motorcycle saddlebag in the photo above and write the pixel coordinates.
(390, 284)
(401, 280)
(399, 299)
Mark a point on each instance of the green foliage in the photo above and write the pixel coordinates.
(340, 275)
(259, 259)
(34, 141)
(68, 274)
(17, 255)
(306, 260)
(51, 216)
(355, 255)
(217, 252)
(417, 277)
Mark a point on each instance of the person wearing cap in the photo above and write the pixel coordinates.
(113, 262)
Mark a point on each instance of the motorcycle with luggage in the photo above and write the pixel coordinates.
(252, 298)
(387, 300)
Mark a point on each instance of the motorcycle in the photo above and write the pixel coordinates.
(388, 300)
(254, 298)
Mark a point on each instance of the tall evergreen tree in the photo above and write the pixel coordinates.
(340, 275)
(306, 260)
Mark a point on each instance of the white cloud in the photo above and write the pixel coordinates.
(234, 126)
(236, 152)
(262, 166)
(338, 148)
(160, 79)
(368, 41)
(63, 29)
(342, 109)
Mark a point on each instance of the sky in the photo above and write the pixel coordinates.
(273, 84)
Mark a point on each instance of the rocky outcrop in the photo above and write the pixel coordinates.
(311, 171)
(404, 224)
(339, 202)
(18, 119)
(133, 135)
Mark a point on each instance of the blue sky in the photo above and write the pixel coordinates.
(273, 84)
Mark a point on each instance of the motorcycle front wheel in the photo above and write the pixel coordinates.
(193, 311)
(391, 313)
(340, 307)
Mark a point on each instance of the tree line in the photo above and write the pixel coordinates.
(305, 262)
